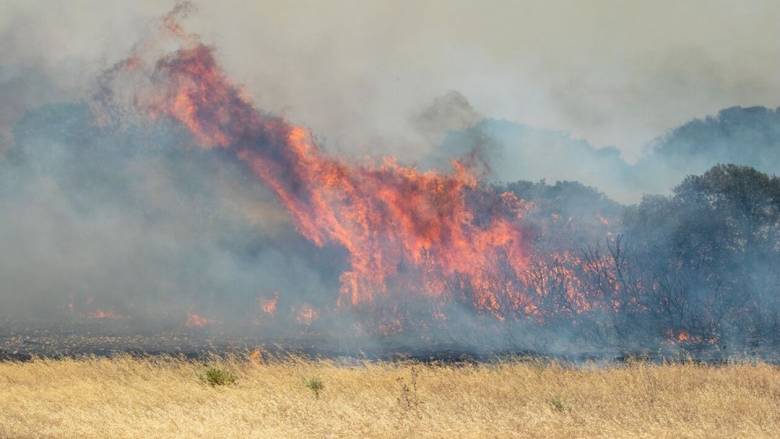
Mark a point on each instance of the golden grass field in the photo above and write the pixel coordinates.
(160, 398)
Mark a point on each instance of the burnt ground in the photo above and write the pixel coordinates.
(23, 343)
(201, 345)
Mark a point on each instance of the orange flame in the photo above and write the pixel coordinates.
(256, 357)
(102, 314)
(307, 314)
(441, 236)
(197, 321)
(395, 222)
(269, 305)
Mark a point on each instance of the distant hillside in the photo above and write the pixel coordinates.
(749, 136)
(743, 136)
(513, 151)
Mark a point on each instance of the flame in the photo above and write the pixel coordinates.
(439, 315)
(256, 357)
(197, 321)
(443, 237)
(445, 231)
(92, 312)
(683, 336)
(102, 314)
(269, 305)
(307, 314)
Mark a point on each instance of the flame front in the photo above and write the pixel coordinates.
(197, 321)
(442, 255)
(269, 305)
(405, 231)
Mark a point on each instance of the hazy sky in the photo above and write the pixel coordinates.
(612, 72)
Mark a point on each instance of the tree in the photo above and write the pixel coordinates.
(707, 254)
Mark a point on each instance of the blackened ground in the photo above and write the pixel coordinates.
(22, 343)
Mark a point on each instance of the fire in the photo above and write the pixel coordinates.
(91, 312)
(307, 314)
(102, 314)
(405, 231)
(419, 246)
(269, 305)
(442, 237)
(683, 336)
(197, 321)
(256, 357)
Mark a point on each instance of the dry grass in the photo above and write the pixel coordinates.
(123, 397)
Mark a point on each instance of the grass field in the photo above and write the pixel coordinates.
(158, 398)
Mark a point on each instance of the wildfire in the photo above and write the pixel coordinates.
(102, 314)
(91, 311)
(440, 236)
(197, 321)
(404, 230)
(269, 305)
(417, 247)
(682, 336)
(307, 314)
(256, 356)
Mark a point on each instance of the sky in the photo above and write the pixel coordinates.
(358, 73)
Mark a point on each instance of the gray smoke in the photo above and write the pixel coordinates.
(137, 222)
(131, 219)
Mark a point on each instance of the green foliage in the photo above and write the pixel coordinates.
(219, 377)
(316, 385)
(557, 404)
(749, 136)
(709, 251)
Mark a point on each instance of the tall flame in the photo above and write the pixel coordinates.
(440, 237)
(421, 232)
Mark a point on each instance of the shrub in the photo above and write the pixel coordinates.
(219, 377)
(557, 404)
(315, 385)
(408, 398)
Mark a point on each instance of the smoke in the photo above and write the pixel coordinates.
(153, 193)
(133, 221)
(353, 72)
(512, 151)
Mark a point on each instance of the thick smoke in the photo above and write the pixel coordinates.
(512, 151)
(133, 207)
(133, 222)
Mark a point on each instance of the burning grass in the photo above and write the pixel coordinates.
(163, 397)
